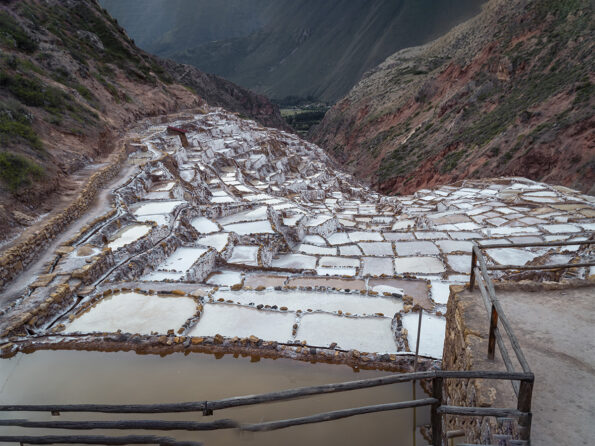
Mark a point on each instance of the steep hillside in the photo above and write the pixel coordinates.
(70, 81)
(281, 48)
(510, 92)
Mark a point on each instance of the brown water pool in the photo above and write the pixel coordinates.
(69, 377)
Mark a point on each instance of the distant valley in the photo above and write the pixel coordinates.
(287, 48)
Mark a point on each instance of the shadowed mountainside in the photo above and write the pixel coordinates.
(510, 92)
(281, 48)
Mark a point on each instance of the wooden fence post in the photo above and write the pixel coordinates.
(492, 338)
(524, 405)
(473, 263)
(436, 417)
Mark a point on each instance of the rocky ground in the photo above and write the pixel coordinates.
(249, 240)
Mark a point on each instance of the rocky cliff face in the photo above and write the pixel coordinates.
(281, 48)
(507, 93)
(70, 81)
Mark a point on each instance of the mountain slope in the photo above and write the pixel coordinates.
(286, 47)
(507, 93)
(70, 81)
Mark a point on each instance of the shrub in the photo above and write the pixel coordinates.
(11, 31)
(17, 171)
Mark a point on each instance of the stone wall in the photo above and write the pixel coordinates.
(15, 259)
(465, 347)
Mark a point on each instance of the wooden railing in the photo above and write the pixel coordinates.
(438, 409)
(479, 274)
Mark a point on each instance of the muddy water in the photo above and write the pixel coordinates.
(47, 377)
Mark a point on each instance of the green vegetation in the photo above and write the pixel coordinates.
(303, 118)
(30, 91)
(451, 161)
(17, 171)
(14, 36)
(15, 126)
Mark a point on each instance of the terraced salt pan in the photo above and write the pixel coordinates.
(511, 256)
(338, 238)
(433, 329)
(259, 213)
(165, 187)
(378, 249)
(225, 278)
(233, 320)
(336, 271)
(244, 255)
(377, 266)
(350, 250)
(157, 207)
(314, 240)
(338, 262)
(252, 227)
(448, 246)
(440, 292)
(360, 236)
(128, 235)
(135, 313)
(416, 248)
(204, 225)
(419, 265)
(218, 241)
(295, 261)
(459, 263)
(317, 301)
(182, 259)
(363, 334)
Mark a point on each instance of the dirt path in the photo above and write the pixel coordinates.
(101, 205)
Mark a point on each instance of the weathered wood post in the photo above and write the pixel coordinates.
(524, 405)
(473, 263)
(436, 417)
(492, 338)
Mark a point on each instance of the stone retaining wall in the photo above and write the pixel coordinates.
(461, 342)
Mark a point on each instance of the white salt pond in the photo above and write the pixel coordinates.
(295, 261)
(233, 320)
(182, 258)
(363, 334)
(204, 225)
(433, 329)
(128, 235)
(317, 301)
(218, 241)
(79, 377)
(135, 313)
(244, 255)
(420, 265)
(253, 227)
(157, 207)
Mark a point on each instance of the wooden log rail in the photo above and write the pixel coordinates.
(435, 401)
(479, 275)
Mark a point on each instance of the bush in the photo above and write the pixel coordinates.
(17, 171)
(15, 124)
(10, 30)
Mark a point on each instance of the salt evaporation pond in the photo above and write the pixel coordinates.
(233, 320)
(433, 330)
(135, 313)
(354, 303)
(76, 377)
(128, 235)
(363, 334)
